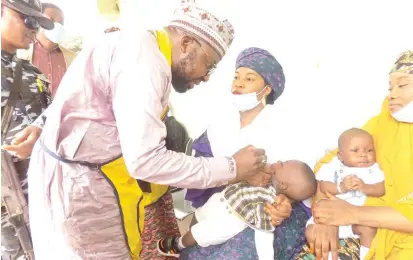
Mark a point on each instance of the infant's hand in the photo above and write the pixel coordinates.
(347, 183)
(358, 184)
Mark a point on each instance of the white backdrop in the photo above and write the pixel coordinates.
(336, 56)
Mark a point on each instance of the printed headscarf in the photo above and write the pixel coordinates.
(404, 63)
(262, 62)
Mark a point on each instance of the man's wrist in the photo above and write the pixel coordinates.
(232, 166)
(222, 171)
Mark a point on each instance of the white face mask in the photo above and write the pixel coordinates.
(56, 34)
(245, 102)
(405, 114)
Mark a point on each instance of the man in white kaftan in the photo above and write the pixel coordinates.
(110, 103)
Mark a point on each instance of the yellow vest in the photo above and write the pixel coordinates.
(133, 195)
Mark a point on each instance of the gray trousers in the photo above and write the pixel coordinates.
(10, 244)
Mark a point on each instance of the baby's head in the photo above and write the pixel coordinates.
(294, 179)
(356, 148)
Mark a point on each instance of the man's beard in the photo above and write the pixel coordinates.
(180, 84)
(180, 80)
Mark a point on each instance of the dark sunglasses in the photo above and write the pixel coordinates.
(30, 22)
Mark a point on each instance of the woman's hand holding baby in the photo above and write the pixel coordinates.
(334, 211)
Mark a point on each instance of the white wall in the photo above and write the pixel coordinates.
(336, 56)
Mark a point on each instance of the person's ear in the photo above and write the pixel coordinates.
(340, 156)
(186, 41)
(267, 90)
(283, 186)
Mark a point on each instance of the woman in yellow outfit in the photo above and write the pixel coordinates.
(392, 214)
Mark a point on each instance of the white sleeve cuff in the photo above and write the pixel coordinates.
(223, 169)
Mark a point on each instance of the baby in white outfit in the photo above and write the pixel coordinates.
(353, 176)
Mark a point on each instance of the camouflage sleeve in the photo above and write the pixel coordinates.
(6, 84)
(41, 120)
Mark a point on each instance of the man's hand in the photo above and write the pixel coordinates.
(261, 179)
(23, 142)
(250, 161)
(323, 239)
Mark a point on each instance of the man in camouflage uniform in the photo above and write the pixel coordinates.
(20, 21)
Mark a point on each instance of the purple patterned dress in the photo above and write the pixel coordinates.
(289, 237)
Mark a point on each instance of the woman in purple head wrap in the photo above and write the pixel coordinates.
(258, 82)
(258, 77)
(261, 67)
